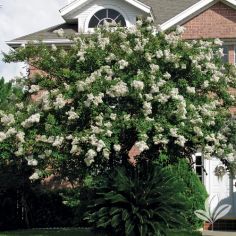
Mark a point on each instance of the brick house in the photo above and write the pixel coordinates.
(201, 18)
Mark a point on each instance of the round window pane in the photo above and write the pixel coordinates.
(107, 16)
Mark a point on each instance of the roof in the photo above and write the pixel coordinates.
(164, 10)
(47, 35)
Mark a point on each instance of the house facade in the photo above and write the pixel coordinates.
(202, 19)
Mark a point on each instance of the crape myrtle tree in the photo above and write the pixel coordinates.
(116, 89)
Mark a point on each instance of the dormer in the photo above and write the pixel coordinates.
(89, 14)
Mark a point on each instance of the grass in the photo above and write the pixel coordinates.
(73, 232)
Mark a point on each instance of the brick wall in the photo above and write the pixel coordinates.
(218, 21)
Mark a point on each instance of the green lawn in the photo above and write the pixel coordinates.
(71, 232)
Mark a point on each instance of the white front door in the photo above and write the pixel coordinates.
(222, 187)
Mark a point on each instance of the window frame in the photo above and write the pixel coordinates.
(119, 14)
(201, 165)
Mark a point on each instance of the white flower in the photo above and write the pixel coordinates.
(191, 90)
(75, 150)
(54, 47)
(31, 120)
(34, 176)
(58, 141)
(20, 136)
(60, 102)
(147, 107)
(142, 146)
(48, 152)
(31, 161)
(8, 120)
(154, 68)
(81, 85)
(109, 133)
(3, 136)
(198, 131)
(180, 29)
(100, 145)
(60, 32)
(159, 54)
(137, 84)
(96, 100)
(113, 116)
(20, 151)
(118, 90)
(11, 132)
(167, 75)
(117, 147)
(106, 153)
(181, 141)
(123, 64)
(218, 42)
(20, 106)
(173, 132)
(149, 19)
(34, 88)
(139, 22)
(230, 157)
(90, 157)
(72, 115)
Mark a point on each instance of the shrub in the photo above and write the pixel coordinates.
(139, 202)
(195, 192)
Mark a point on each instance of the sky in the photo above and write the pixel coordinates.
(21, 17)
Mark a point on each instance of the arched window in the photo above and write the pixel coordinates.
(110, 16)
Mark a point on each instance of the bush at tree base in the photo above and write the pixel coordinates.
(145, 201)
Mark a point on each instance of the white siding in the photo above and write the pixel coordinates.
(84, 14)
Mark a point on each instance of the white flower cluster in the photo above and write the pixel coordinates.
(123, 64)
(118, 90)
(142, 146)
(90, 157)
(60, 32)
(137, 84)
(34, 88)
(72, 115)
(60, 102)
(55, 141)
(95, 100)
(34, 176)
(7, 120)
(31, 161)
(31, 121)
(58, 141)
(180, 139)
(20, 136)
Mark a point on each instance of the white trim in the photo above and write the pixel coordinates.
(18, 43)
(78, 3)
(189, 11)
(86, 23)
(140, 5)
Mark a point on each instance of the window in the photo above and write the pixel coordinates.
(198, 166)
(109, 16)
(225, 57)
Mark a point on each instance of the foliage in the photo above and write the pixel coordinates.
(26, 205)
(195, 192)
(115, 89)
(145, 201)
(9, 93)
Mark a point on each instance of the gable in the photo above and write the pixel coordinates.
(74, 6)
(218, 21)
(193, 10)
(84, 14)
